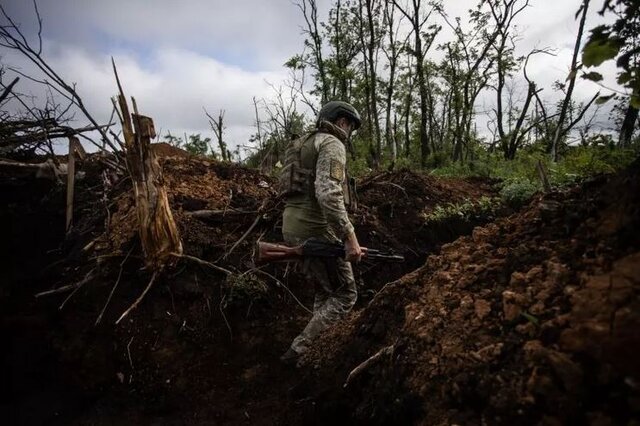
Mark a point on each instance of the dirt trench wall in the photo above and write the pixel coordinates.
(530, 319)
(196, 346)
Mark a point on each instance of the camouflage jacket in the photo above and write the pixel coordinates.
(322, 212)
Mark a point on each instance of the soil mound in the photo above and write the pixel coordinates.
(200, 343)
(532, 319)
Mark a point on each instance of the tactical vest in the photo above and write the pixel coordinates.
(298, 173)
(295, 178)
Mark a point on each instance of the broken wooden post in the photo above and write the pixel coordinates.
(157, 229)
(75, 148)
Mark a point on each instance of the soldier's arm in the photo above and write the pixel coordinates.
(330, 173)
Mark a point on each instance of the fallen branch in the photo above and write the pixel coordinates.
(366, 182)
(113, 289)
(46, 170)
(395, 185)
(67, 287)
(79, 285)
(139, 299)
(281, 284)
(386, 351)
(202, 262)
(213, 214)
(261, 211)
(129, 353)
(224, 317)
(56, 291)
(244, 236)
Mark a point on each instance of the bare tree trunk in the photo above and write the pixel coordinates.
(371, 46)
(628, 126)
(258, 128)
(311, 19)
(392, 57)
(419, 52)
(572, 81)
(515, 136)
(218, 129)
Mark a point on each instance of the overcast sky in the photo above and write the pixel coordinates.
(177, 57)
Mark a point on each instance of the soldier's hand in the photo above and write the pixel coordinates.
(353, 251)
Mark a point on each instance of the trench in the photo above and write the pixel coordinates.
(191, 355)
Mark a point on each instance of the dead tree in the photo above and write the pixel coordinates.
(309, 11)
(422, 44)
(392, 53)
(158, 231)
(560, 129)
(12, 38)
(217, 125)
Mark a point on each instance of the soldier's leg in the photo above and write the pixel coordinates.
(310, 271)
(337, 289)
(315, 272)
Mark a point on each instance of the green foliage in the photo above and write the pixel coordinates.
(173, 140)
(601, 47)
(617, 40)
(196, 145)
(466, 210)
(244, 288)
(517, 193)
(519, 177)
(582, 162)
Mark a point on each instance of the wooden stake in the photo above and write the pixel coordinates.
(71, 177)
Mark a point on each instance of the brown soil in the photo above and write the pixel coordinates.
(531, 319)
(472, 338)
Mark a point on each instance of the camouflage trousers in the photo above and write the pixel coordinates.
(335, 294)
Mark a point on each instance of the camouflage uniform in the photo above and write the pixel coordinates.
(321, 214)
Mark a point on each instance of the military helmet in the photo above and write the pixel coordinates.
(333, 110)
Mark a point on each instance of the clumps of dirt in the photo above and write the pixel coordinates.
(393, 210)
(195, 183)
(531, 319)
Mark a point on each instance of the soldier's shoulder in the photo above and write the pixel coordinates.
(327, 141)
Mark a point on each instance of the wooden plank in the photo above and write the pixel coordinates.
(71, 177)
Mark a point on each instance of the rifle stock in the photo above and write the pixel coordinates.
(272, 252)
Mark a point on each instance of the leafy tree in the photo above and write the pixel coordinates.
(621, 41)
(173, 140)
(196, 145)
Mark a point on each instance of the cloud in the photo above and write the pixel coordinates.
(257, 34)
(177, 57)
(172, 88)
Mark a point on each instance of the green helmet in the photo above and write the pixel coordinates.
(333, 110)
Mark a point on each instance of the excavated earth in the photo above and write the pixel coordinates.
(531, 318)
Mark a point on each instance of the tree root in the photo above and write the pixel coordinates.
(139, 299)
(386, 351)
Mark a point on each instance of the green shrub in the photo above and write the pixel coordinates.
(244, 288)
(466, 210)
(517, 193)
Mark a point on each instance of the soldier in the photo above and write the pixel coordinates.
(315, 185)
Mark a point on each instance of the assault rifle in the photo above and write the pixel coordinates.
(270, 252)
